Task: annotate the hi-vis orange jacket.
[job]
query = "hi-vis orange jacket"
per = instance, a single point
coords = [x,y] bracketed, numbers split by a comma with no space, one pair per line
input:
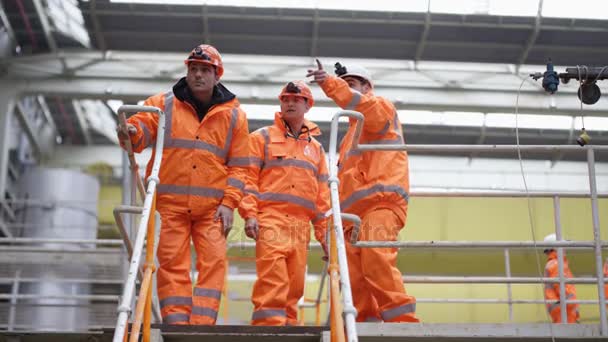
[369,179]
[552,291]
[204,163]
[287,176]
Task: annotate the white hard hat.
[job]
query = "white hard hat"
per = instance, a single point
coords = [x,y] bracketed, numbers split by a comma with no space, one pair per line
[358,71]
[550,238]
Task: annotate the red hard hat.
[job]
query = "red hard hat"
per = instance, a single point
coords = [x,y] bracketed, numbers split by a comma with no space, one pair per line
[298,88]
[206,54]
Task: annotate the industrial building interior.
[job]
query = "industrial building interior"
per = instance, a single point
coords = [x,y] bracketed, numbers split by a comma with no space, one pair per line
[459,73]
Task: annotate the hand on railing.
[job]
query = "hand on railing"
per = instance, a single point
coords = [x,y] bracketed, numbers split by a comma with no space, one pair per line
[125,131]
[325,256]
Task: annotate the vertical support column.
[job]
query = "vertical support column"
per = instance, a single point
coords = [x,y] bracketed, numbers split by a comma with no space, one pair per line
[598,241]
[126,190]
[7,104]
[560,260]
[126,200]
[509,291]
[12,314]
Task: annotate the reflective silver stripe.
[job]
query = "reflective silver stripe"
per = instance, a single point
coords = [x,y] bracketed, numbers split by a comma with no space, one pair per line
[354,101]
[211,293]
[176,318]
[255,161]
[268,313]
[196,145]
[291,162]
[569,296]
[372,319]
[176,300]
[398,128]
[548,286]
[317,218]
[189,190]
[147,135]
[233,119]
[264,133]
[323,177]
[239,161]
[252,192]
[551,307]
[389,314]
[236,183]
[137,144]
[352,153]
[277,197]
[204,311]
[396,141]
[378,188]
[385,128]
[168,116]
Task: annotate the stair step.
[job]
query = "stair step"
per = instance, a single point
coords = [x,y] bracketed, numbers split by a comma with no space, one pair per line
[229,333]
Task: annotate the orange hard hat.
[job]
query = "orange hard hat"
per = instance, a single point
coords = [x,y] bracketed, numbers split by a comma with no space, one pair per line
[206,54]
[297,88]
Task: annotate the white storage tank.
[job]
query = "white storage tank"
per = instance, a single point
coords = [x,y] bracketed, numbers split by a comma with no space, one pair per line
[59,204]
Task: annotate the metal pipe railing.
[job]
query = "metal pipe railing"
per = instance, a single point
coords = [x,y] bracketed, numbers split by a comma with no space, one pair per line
[449,148]
[597,244]
[508,274]
[560,258]
[348,307]
[478,244]
[335,310]
[146,224]
[597,239]
[493,280]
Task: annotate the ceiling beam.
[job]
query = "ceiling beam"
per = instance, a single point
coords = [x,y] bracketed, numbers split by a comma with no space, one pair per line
[206,32]
[26,124]
[7,25]
[82,122]
[327,17]
[533,36]
[425,33]
[314,49]
[46,26]
[99,37]
[405,97]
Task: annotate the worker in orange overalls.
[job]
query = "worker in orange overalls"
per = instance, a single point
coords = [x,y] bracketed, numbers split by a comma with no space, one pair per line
[375,186]
[202,179]
[286,192]
[552,289]
[606,280]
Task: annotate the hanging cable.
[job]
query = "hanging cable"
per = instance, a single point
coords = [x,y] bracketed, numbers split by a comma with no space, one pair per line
[529,202]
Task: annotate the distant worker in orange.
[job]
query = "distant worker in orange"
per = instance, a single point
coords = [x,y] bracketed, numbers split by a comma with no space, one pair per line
[606,280]
[552,289]
[286,192]
[375,186]
[202,179]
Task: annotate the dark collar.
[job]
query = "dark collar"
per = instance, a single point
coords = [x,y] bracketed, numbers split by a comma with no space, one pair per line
[220,95]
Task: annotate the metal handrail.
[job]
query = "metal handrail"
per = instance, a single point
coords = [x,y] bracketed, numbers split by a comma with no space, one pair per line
[596,244]
[477,244]
[145,234]
[337,233]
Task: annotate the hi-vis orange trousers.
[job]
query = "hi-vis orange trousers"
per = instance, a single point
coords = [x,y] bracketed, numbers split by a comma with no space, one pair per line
[281,251]
[181,303]
[377,285]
